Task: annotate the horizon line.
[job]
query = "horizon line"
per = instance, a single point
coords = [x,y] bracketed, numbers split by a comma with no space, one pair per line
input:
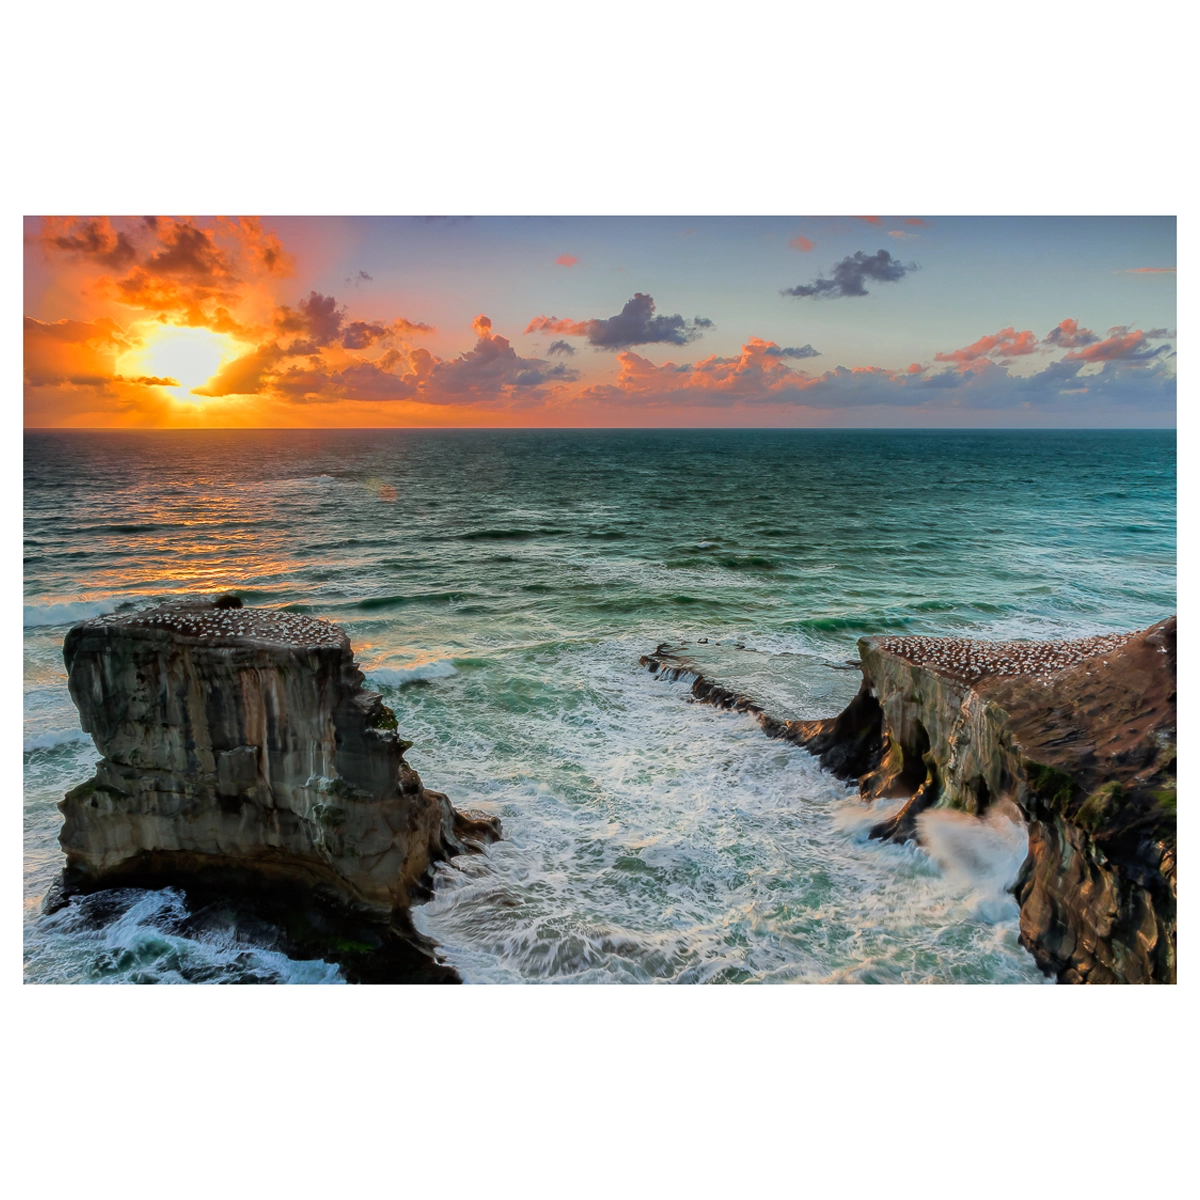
[596,428]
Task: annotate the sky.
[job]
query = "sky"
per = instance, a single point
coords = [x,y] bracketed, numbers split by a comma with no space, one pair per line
[336,322]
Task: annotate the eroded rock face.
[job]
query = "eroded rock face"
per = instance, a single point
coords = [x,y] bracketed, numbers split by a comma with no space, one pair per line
[241,749]
[1079,736]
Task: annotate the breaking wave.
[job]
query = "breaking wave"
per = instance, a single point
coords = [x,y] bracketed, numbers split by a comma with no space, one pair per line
[70,612]
[56,737]
[132,936]
[440,668]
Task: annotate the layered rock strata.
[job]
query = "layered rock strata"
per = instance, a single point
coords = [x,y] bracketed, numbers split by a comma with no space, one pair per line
[243,757]
[1079,736]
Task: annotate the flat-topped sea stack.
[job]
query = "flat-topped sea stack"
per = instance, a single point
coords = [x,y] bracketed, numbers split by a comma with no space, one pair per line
[1078,736]
[242,755]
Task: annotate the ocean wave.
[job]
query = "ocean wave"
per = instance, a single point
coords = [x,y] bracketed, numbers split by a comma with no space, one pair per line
[504,535]
[68,613]
[374,603]
[55,737]
[128,527]
[128,936]
[439,668]
[865,621]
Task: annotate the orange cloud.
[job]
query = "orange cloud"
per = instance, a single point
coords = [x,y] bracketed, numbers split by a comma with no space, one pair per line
[220,274]
[554,325]
[248,375]
[1005,344]
[801,243]
[913,221]
[491,374]
[758,373]
[1149,271]
[80,353]
[871,220]
[403,328]
[757,376]
[181,270]
[1123,344]
[566,260]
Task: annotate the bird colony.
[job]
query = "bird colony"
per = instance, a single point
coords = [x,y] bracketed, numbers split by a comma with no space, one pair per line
[970,660]
[234,624]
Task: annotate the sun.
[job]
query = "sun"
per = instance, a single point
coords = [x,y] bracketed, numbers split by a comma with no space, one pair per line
[190,356]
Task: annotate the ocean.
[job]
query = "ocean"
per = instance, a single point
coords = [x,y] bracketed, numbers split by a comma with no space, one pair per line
[499,588]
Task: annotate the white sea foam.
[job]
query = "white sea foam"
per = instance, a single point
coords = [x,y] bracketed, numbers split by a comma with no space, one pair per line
[984,853]
[143,944]
[55,737]
[670,842]
[438,668]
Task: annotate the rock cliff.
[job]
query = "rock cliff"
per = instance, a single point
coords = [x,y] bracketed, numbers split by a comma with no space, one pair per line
[242,756]
[1079,736]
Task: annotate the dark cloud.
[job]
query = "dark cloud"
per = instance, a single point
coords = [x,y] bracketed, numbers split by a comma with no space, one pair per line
[318,317]
[97,240]
[147,380]
[1160,333]
[189,252]
[367,278]
[850,275]
[492,371]
[358,335]
[492,366]
[360,381]
[635,325]
[560,373]
[805,351]
[561,347]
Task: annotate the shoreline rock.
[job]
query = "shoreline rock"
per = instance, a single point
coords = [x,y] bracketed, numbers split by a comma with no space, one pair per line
[244,761]
[1079,736]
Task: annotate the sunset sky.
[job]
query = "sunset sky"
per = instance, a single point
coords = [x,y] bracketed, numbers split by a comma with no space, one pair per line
[909,320]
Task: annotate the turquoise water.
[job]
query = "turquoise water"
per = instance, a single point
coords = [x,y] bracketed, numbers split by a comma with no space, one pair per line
[499,587]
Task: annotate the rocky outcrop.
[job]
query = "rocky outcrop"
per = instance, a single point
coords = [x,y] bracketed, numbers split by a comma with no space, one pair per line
[242,756]
[1078,736]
